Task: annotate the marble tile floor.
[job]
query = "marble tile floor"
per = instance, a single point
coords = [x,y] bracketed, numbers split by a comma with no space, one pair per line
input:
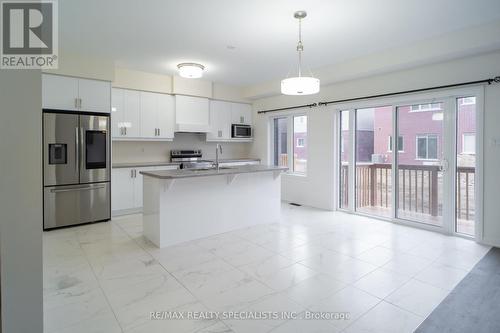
[107,278]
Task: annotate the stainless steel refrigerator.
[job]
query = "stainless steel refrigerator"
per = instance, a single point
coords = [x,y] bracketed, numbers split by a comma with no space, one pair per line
[76,150]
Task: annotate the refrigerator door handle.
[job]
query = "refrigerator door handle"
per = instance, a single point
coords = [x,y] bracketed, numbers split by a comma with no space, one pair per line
[77,149]
[82,151]
[88,188]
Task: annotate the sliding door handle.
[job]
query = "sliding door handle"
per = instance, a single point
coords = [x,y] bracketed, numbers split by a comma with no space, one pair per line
[445,165]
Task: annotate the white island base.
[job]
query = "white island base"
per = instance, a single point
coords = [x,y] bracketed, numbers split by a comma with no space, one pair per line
[187,208]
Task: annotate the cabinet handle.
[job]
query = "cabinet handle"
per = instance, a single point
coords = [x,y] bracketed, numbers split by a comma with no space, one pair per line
[158,132]
[76,103]
[125,130]
[220,134]
[242,119]
[135,173]
[79,103]
[131,173]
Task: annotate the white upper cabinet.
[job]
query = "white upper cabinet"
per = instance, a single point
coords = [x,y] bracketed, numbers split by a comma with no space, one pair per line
[59,92]
[241,113]
[74,94]
[157,116]
[191,114]
[149,115]
[117,113]
[166,116]
[223,115]
[140,115]
[220,121]
[94,95]
[125,116]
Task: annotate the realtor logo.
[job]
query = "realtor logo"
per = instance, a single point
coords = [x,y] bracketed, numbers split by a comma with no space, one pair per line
[29,34]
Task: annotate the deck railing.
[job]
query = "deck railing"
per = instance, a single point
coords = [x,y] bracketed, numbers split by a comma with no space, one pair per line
[466,178]
[419,188]
[283,160]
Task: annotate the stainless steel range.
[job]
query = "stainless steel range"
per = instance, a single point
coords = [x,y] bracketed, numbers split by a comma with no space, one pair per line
[76,169]
[190,159]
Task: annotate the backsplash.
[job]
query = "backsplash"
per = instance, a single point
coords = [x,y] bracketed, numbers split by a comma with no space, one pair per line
[150,151]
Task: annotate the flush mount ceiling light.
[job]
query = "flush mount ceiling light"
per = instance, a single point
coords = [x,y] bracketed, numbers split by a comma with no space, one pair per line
[300,85]
[190,70]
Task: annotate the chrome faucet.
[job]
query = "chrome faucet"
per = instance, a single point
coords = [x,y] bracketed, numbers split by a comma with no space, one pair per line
[218,149]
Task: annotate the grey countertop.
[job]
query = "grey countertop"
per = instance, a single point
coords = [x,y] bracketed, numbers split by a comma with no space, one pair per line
[142,164]
[190,173]
[152,164]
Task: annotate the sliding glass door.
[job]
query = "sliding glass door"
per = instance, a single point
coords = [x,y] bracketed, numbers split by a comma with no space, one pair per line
[373,161]
[344,149]
[466,166]
[412,162]
[419,163]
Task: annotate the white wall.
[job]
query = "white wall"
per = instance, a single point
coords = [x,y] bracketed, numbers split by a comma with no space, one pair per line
[130,79]
[316,188]
[21,201]
[84,65]
[491,165]
[139,151]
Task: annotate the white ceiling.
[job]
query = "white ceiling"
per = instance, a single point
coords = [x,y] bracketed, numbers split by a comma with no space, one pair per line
[155,35]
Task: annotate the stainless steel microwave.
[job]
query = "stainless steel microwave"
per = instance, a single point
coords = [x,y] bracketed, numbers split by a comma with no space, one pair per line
[241,131]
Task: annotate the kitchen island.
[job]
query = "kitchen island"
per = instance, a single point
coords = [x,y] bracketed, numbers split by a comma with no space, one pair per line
[182,205]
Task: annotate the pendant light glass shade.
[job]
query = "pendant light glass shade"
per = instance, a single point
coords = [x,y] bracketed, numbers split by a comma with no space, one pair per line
[300,85]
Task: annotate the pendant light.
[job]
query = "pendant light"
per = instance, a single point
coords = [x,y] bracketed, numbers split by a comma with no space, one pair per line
[300,85]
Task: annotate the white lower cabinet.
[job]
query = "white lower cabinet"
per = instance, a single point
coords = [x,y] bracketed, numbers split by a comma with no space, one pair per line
[122,189]
[126,188]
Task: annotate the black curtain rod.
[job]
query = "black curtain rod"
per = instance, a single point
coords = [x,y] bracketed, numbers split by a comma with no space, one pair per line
[488,81]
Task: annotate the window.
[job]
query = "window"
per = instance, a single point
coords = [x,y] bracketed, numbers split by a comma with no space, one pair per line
[300,151]
[467,101]
[427,147]
[290,131]
[426,107]
[280,141]
[401,147]
[469,143]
